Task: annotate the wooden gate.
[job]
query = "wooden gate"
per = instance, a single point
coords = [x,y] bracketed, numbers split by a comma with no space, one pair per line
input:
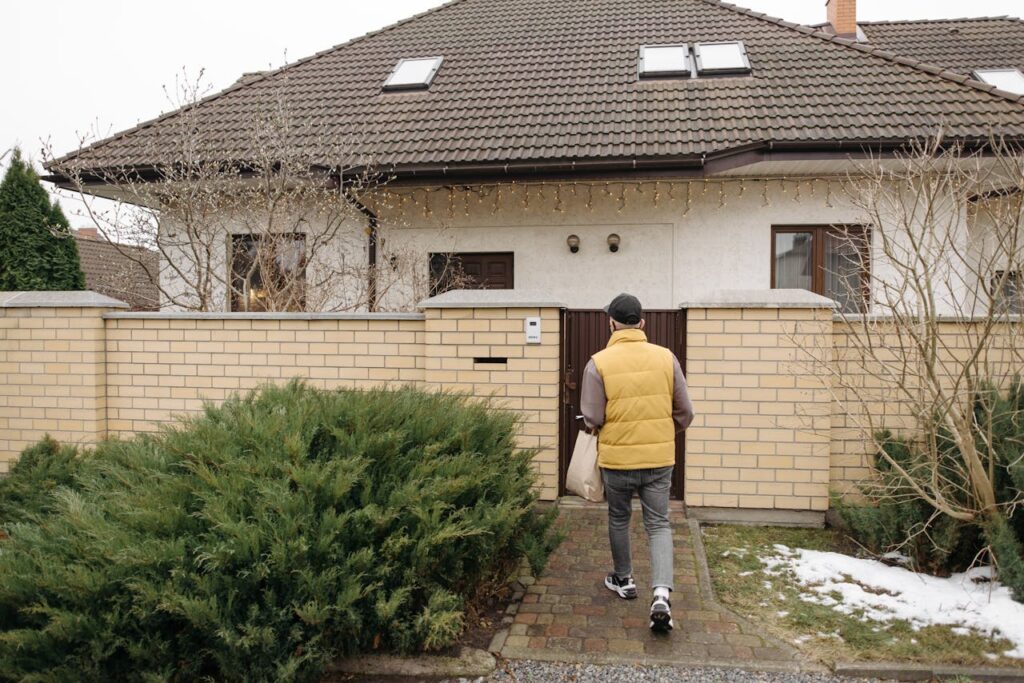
[584,333]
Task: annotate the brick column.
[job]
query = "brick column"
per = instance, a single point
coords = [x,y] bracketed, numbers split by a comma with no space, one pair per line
[52,372]
[475,343]
[763,432]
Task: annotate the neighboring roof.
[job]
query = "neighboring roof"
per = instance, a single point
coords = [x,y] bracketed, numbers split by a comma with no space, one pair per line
[961,45]
[116,271]
[526,82]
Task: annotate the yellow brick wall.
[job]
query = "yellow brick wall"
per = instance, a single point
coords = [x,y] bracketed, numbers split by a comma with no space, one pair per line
[79,376]
[51,377]
[861,388]
[762,433]
[157,367]
[527,384]
[768,433]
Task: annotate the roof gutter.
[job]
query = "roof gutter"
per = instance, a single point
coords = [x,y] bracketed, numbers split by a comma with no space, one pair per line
[700,165]
[696,165]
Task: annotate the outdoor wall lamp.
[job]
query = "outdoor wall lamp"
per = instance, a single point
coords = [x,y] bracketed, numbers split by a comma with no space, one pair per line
[613,242]
[574,243]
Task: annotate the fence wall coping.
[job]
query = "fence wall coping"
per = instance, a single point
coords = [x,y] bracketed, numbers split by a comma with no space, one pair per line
[861,318]
[760,298]
[84,299]
[492,298]
[190,315]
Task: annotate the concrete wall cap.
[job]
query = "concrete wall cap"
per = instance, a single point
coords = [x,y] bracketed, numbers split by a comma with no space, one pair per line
[860,318]
[491,298]
[84,299]
[190,315]
[760,298]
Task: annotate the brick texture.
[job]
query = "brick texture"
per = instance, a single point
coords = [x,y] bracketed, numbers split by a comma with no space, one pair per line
[52,378]
[768,433]
[763,428]
[78,376]
[863,389]
[527,382]
[157,368]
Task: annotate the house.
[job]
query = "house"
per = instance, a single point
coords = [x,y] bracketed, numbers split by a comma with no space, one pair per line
[569,121]
[682,150]
[124,272]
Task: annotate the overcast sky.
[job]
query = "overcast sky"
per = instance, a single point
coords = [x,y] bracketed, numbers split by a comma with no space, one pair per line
[70,67]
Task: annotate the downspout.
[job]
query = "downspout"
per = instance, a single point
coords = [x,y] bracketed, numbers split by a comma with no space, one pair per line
[371,232]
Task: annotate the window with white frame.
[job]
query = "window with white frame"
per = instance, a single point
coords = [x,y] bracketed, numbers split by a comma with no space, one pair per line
[1011,80]
[726,57]
[413,74]
[660,61]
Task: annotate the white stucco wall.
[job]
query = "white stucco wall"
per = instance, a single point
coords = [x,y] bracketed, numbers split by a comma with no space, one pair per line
[671,250]
[668,254]
[327,265]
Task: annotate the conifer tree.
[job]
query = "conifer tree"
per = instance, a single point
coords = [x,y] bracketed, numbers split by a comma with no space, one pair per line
[37,250]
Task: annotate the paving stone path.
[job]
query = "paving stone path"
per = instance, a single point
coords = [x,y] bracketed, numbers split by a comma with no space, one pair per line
[568,615]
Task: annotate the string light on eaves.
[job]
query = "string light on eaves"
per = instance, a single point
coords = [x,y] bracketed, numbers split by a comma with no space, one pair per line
[619,193]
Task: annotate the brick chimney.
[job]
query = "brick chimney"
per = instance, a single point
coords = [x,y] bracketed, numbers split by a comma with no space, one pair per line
[842,16]
[88,233]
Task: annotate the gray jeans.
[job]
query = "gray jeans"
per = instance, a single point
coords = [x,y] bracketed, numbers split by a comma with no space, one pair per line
[653,487]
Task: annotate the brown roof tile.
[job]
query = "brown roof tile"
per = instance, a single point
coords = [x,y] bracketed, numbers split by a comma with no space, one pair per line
[120,271]
[533,80]
[961,45]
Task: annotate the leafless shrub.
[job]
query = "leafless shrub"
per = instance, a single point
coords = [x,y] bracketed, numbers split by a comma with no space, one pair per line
[271,223]
[942,326]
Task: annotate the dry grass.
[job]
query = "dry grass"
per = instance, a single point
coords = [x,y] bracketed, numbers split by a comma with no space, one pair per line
[817,630]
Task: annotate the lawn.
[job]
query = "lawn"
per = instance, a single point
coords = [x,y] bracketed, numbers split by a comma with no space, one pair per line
[820,631]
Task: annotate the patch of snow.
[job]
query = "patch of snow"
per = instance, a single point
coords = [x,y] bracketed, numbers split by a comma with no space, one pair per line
[991,656]
[745,573]
[782,614]
[981,574]
[897,557]
[883,593]
[960,631]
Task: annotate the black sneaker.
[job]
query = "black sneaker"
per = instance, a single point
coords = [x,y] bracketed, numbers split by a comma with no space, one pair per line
[661,615]
[625,588]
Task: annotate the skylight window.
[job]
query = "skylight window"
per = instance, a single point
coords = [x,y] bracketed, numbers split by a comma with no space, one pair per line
[721,58]
[413,74]
[1011,80]
[664,60]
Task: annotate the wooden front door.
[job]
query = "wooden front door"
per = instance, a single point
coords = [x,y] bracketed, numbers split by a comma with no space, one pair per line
[584,333]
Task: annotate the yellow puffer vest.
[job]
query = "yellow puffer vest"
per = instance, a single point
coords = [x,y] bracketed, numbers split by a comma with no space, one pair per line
[638,430]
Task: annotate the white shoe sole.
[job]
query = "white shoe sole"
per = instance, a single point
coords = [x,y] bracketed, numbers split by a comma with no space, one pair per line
[618,590]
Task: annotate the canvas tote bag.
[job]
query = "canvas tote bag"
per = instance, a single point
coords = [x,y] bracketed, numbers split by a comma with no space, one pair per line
[584,476]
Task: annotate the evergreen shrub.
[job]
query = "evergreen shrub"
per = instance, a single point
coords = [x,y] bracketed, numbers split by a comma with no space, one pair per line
[28,488]
[37,248]
[267,536]
[897,517]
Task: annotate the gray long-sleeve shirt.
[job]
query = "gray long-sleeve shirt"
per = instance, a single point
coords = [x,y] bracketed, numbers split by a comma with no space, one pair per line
[593,398]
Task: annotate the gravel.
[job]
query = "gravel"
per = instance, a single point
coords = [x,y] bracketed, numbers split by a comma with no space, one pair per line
[546,672]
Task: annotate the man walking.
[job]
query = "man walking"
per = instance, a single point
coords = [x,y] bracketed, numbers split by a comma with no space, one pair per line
[635,394]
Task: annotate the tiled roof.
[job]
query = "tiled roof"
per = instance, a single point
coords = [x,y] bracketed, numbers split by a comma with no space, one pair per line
[527,81]
[961,45]
[108,270]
